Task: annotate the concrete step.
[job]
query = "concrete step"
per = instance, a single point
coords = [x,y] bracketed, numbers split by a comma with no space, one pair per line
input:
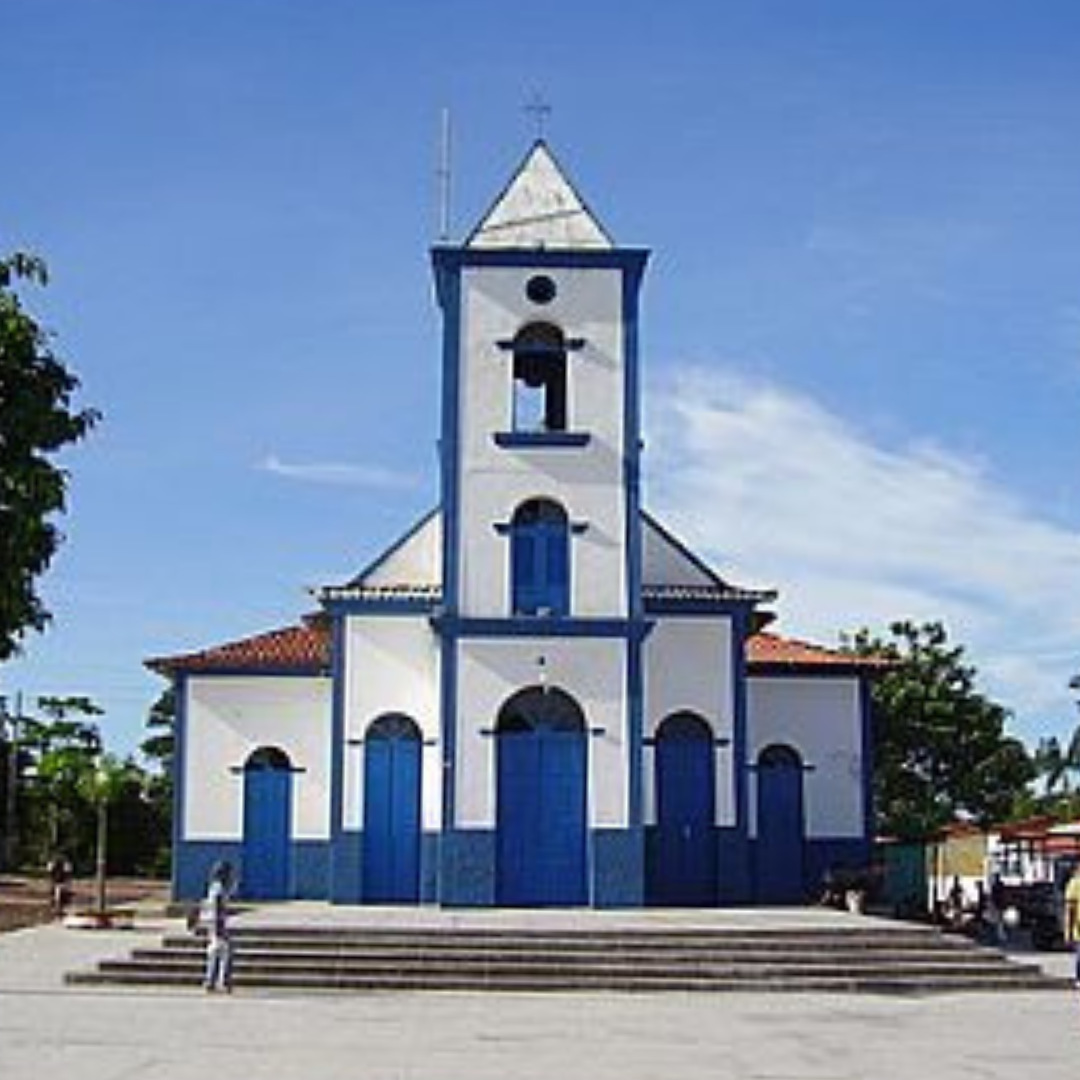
[652,942]
[434,981]
[299,956]
[867,959]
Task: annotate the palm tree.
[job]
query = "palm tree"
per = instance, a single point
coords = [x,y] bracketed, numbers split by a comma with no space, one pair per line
[102,786]
[1053,765]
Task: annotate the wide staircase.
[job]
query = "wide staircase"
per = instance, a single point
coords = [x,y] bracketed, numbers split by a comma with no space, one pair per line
[875,958]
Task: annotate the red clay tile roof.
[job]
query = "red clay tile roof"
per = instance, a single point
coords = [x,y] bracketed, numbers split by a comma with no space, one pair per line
[765,650]
[307,647]
[294,648]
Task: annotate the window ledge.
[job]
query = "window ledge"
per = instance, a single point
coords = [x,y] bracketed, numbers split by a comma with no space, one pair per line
[525,440]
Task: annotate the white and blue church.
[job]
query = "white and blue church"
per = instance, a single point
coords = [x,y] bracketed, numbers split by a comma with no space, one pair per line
[538,696]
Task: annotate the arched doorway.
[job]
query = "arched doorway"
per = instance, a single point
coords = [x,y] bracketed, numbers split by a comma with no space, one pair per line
[781,835]
[541,800]
[267,824]
[684,863]
[391,857]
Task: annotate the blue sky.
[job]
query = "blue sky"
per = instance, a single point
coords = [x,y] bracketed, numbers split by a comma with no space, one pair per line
[862,318]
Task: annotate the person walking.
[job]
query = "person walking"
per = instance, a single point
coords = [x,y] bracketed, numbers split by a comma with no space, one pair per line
[1072,918]
[219,953]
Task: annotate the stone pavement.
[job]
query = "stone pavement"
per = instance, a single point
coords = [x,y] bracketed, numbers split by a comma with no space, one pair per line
[49,1031]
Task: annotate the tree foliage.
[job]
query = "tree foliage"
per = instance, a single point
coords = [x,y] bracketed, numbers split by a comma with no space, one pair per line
[64,777]
[1057,767]
[36,420]
[940,747]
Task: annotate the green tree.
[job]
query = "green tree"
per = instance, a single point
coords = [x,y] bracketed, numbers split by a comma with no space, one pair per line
[61,749]
[158,748]
[102,786]
[36,420]
[940,747]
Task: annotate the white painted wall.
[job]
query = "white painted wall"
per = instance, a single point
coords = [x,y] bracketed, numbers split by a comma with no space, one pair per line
[229,717]
[417,561]
[593,671]
[687,665]
[588,482]
[821,719]
[392,666]
[663,563]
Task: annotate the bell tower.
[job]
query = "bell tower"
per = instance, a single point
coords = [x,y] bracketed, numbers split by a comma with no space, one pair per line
[541,558]
[540,424]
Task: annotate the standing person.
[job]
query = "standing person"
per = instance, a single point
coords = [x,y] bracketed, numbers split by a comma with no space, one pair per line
[60,874]
[219,956]
[995,911]
[1072,918]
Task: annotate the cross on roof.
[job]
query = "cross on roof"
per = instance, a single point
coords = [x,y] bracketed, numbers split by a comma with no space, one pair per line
[538,108]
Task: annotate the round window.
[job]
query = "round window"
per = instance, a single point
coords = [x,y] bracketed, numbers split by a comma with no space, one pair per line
[540,289]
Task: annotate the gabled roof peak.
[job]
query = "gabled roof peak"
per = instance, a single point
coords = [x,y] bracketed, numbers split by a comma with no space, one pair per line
[539,208]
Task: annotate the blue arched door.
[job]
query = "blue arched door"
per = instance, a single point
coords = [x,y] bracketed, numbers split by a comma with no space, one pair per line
[267,825]
[684,862]
[391,860]
[540,559]
[781,837]
[541,801]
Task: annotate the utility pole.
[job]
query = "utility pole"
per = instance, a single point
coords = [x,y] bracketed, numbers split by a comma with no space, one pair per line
[11,723]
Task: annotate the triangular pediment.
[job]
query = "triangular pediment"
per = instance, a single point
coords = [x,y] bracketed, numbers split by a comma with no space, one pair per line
[539,209]
[414,561]
[667,561]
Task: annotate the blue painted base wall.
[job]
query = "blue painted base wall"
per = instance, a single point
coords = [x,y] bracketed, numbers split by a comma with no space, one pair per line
[459,870]
[734,884]
[467,868]
[347,881]
[618,868]
[309,867]
[821,855]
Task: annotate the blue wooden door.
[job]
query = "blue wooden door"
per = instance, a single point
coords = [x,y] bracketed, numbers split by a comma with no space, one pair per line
[391,856]
[540,561]
[780,828]
[267,815]
[541,818]
[684,870]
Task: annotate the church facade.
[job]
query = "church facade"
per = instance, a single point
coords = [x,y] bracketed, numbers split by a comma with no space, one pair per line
[539,696]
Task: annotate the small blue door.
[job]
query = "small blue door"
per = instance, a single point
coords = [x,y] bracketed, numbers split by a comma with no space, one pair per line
[780,828]
[541,802]
[540,559]
[684,862]
[267,832]
[392,762]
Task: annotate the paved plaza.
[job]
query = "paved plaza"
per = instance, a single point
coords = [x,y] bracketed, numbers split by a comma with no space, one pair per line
[48,1030]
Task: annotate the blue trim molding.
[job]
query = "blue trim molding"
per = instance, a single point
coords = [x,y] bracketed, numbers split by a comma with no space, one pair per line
[449,260]
[541,440]
[735,860]
[866,755]
[179,765]
[340,870]
[540,626]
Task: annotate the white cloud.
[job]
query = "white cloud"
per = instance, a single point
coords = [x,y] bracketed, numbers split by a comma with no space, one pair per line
[340,473]
[776,490]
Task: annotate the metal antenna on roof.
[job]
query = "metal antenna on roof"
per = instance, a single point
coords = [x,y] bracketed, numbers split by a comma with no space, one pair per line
[540,111]
[442,175]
